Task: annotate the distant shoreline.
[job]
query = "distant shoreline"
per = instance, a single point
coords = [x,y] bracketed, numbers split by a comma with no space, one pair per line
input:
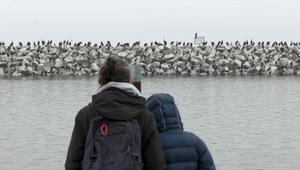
[157,59]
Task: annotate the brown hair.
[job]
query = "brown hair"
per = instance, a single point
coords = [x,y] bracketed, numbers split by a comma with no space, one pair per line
[114,69]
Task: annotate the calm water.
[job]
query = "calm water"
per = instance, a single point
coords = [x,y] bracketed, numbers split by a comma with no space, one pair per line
[247,122]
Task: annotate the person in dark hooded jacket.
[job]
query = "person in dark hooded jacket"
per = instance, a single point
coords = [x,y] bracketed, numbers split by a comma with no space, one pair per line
[117,99]
[183,150]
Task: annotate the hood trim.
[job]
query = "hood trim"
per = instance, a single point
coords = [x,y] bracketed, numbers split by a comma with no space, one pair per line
[128,87]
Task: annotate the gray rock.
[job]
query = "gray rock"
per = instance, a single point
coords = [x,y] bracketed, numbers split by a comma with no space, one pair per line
[165,66]
[241,58]
[3,64]
[283,62]
[203,74]
[2,50]
[258,68]
[246,65]
[22,69]
[25,62]
[276,57]
[95,67]
[68,59]
[22,58]
[4,58]
[169,57]
[58,63]
[29,69]
[16,74]
[122,54]
[238,63]
[2,71]
[66,72]
[273,70]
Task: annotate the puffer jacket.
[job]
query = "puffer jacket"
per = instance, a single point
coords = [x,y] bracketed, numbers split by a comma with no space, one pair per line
[183,150]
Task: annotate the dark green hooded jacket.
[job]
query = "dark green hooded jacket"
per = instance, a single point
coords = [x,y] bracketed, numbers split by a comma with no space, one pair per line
[117,104]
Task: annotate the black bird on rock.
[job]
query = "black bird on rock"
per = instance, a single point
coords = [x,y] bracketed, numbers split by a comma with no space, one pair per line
[10,45]
[108,44]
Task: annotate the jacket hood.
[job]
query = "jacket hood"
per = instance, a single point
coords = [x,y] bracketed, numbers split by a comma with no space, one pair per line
[165,111]
[117,104]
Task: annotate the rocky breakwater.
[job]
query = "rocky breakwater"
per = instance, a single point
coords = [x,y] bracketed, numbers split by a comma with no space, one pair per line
[176,58]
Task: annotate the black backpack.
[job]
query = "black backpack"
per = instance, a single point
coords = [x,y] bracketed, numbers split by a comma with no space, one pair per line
[113,145]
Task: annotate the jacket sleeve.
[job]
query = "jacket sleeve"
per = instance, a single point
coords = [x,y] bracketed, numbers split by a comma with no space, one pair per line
[76,148]
[153,155]
[205,161]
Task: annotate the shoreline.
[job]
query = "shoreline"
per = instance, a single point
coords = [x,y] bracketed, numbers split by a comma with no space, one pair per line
[157,59]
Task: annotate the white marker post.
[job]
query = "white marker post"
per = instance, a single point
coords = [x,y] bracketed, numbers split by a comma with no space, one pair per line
[199,40]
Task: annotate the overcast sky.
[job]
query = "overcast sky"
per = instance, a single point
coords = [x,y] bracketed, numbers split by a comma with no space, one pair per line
[149,20]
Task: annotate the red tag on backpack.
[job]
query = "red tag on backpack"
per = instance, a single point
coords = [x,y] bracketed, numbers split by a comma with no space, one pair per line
[104,129]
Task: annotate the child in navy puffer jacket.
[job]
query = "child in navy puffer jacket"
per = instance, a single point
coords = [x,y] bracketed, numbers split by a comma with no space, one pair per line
[183,150]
